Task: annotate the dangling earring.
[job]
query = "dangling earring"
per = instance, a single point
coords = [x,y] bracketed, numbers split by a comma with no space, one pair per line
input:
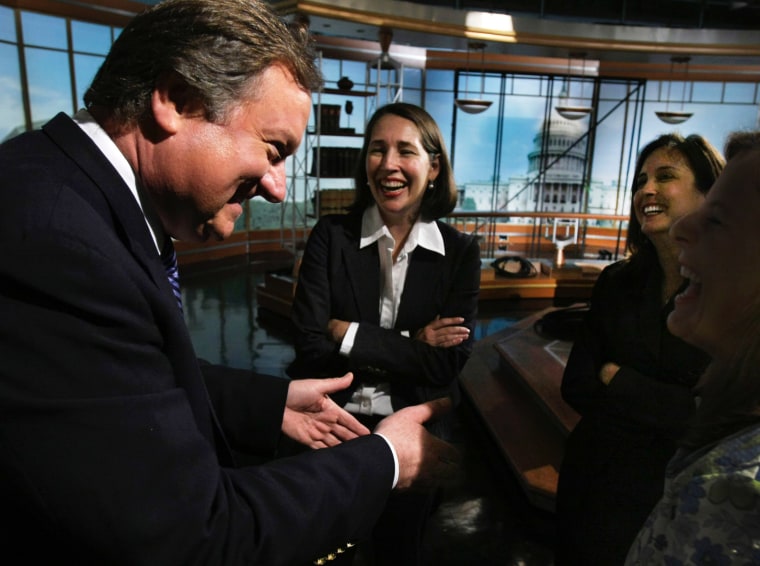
[431,185]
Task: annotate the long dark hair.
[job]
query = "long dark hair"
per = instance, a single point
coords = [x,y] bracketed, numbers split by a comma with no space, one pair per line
[705,162]
[438,201]
[730,387]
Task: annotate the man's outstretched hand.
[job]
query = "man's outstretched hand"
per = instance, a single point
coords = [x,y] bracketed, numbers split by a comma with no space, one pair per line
[424,460]
[315,420]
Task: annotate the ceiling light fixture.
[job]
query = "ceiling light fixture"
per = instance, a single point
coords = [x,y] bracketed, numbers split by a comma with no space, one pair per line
[474,105]
[565,108]
[676,116]
[389,73]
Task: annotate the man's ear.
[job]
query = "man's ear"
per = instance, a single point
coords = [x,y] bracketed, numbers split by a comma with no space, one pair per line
[172,102]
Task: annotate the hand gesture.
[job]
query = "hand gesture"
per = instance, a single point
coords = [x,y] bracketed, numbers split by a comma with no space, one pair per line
[336,329]
[315,420]
[424,460]
[443,332]
[608,372]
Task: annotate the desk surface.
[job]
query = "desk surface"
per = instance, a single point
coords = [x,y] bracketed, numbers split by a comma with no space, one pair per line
[512,379]
[561,285]
[539,364]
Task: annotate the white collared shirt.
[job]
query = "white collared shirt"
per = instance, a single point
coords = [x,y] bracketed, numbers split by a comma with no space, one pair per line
[116,158]
[376,399]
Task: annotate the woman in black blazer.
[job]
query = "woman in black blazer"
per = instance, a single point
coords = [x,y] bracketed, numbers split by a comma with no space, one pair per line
[389,292]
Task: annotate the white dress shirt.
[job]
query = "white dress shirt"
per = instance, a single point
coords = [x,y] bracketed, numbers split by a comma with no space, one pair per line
[376,399]
[116,158]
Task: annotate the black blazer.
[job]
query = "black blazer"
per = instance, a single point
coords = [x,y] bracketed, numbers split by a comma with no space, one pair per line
[614,462]
[110,451]
[339,280]
[652,392]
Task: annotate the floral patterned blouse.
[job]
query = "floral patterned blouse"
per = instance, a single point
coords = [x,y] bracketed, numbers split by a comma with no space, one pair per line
[710,510]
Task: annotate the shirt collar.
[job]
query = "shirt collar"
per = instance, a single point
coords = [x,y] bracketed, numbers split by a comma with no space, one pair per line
[116,158]
[423,234]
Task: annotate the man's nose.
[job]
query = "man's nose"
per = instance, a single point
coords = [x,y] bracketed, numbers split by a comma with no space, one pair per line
[273,184]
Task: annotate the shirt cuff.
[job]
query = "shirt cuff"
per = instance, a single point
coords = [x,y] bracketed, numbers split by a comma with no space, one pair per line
[395,459]
[348,338]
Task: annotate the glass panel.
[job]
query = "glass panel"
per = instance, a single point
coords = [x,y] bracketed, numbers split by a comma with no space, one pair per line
[331,72]
[740,92]
[49,83]
[357,72]
[708,92]
[7,24]
[474,156]
[613,154]
[713,121]
[527,86]
[385,83]
[85,67]
[412,96]
[11,105]
[613,91]
[440,105]
[439,80]
[90,38]
[43,31]
[412,78]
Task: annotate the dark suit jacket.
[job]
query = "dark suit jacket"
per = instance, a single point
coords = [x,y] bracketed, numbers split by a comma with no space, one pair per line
[110,451]
[339,280]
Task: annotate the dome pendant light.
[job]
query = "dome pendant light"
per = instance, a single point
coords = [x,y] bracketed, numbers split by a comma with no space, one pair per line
[676,116]
[565,109]
[474,105]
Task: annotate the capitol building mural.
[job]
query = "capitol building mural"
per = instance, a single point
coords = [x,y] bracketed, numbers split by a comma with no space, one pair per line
[553,181]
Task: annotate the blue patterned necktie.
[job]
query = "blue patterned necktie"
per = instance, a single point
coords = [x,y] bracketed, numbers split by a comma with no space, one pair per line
[169,259]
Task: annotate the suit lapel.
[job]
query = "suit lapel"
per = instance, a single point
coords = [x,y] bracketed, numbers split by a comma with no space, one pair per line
[124,215]
[422,279]
[123,212]
[363,273]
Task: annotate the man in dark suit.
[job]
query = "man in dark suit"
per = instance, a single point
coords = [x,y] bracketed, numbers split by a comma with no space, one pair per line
[115,441]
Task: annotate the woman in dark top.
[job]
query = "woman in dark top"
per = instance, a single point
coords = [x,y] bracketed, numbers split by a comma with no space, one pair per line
[627,375]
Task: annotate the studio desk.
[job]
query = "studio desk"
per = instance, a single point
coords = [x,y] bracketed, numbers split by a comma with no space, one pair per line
[563,286]
[512,380]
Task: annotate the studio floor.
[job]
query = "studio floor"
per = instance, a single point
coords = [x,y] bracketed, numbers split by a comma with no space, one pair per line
[484,519]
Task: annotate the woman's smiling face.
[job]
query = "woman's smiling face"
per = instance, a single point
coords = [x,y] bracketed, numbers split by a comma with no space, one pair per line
[398,168]
[719,254]
[666,190]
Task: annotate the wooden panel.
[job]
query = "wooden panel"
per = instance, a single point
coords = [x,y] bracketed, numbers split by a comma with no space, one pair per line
[563,289]
[539,363]
[529,443]
[512,380]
